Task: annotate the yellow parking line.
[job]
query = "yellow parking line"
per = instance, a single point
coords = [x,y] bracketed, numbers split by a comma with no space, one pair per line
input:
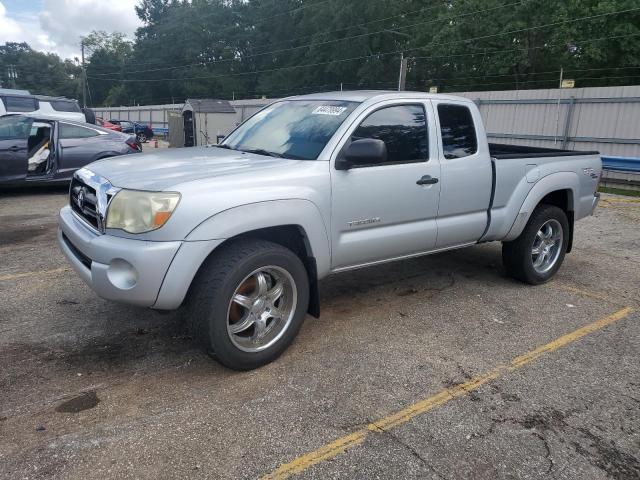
[343,444]
[16,276]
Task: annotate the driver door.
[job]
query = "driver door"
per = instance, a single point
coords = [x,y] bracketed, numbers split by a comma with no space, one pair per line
[14,147]
[384,211]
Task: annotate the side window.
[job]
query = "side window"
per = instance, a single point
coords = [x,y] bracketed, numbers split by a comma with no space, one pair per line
[15,127]
[457,130]
[74,131]
[403,128]
[20,104]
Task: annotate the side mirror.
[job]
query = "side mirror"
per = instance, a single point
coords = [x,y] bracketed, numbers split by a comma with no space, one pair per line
[366,151]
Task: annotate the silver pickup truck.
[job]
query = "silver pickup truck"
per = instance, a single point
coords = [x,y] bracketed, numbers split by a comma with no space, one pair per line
[240,233]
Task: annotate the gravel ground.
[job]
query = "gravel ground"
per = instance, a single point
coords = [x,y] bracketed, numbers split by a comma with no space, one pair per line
[92,389]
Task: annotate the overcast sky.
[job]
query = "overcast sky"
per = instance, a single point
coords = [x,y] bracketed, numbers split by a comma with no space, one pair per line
[57,25]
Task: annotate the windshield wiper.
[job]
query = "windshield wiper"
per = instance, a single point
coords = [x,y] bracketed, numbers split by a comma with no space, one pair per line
[260,151]
[224,146]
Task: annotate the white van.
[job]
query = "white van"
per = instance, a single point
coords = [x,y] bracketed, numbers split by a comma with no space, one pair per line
[21,101]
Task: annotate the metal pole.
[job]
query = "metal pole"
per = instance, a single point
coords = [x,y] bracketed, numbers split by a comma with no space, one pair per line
[84,77]
[402,78]
[555,139]
[561,74]
[567,122]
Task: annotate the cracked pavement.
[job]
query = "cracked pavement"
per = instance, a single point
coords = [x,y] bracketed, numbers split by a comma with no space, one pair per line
[92,389]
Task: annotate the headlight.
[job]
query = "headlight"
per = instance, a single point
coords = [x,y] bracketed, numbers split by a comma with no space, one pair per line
[135,211]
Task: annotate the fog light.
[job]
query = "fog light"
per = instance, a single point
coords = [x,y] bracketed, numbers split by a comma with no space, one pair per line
[122,274]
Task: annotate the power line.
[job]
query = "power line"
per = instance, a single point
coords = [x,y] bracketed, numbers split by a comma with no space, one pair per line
[326,32]
[162,27]
[525,74]
[259,20]
[420,10]
[524,49]
[361,35]
[554,81]
[381,54]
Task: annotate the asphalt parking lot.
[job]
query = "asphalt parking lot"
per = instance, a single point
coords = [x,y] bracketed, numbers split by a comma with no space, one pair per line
[438,367]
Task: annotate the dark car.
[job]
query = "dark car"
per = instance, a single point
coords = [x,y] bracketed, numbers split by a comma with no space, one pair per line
[141,131]
[44,149]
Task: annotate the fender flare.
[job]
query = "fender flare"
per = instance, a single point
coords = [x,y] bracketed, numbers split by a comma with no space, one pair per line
[271,213]
[546,185]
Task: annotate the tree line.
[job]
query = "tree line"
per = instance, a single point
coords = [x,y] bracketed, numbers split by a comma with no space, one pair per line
[254,48]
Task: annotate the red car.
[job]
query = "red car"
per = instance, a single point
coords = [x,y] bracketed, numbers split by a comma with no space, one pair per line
[105,124]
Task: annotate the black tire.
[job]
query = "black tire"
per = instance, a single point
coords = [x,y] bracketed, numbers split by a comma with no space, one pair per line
[142,137]
[517,255]
[207,307]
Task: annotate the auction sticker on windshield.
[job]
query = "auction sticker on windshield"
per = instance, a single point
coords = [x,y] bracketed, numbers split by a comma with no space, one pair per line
[329,110]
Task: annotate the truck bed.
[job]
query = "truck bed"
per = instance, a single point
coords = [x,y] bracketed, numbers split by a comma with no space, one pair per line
[504,151]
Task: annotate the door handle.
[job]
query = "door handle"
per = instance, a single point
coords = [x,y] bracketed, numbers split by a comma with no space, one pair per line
[427,180]
[14,149]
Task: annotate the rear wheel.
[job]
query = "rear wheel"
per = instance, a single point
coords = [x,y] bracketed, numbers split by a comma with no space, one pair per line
[537,254]
[142,137]
[248,303]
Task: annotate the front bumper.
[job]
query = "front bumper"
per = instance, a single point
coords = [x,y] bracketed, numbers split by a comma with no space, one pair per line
[138,272]
[120,269]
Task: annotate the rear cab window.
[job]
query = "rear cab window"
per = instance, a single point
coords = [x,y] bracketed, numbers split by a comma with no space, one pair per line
[457,130]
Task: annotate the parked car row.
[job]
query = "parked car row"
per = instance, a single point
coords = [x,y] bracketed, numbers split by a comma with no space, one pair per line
[45,149]
[108,125]
[46,139]
[142,132]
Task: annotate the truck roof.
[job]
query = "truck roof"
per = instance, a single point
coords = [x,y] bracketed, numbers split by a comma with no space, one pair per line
[364,95]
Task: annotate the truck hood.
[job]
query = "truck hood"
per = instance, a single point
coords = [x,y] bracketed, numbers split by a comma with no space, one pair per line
[165,169]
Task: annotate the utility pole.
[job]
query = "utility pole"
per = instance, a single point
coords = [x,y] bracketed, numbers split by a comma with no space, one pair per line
[555,137]
[561,75]
[402,78]
[84,77]
[12,75]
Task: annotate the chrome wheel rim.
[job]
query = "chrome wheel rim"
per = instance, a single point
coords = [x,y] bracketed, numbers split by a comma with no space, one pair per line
[547,246]
[261,308]
[142,137]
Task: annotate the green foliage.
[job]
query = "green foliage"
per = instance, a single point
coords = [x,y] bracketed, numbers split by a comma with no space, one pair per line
[40,73]
[251,48]
[108,53]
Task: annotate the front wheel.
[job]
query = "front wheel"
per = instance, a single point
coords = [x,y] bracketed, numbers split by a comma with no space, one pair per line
[537,254]
[142,137]
[248,303]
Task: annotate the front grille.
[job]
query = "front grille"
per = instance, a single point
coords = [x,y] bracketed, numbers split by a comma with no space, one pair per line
[84,202]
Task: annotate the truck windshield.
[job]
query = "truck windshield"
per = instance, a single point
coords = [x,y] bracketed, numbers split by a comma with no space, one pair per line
[295,129]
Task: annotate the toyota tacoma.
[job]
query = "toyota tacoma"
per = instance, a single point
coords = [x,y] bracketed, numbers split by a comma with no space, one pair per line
[238,234]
